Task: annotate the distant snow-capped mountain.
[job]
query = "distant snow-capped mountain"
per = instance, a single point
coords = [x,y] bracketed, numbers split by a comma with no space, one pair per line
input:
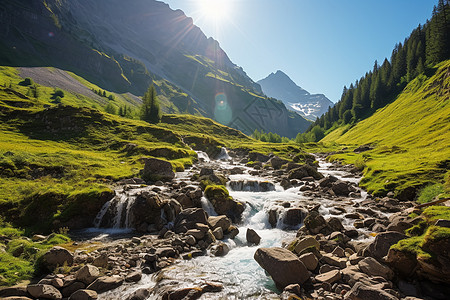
[278,85]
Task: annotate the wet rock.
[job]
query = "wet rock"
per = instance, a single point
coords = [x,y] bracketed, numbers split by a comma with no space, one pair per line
[252,237]
[364,292]
[314,222]
[44,291]
[223,203]
[294,216]
[309,260]
[140,294]
[284,266]
[165,252]
[87,274]
[206,172]
[335,224]
[101,261]
[84,295]
[145,209]
[277,162]
[232,232]
[157,169]
[383,241]
[273,217]
[188,218]
[220,221]
[341,188]
[134,276]
[57,256]
[372,267]
[218,233]
[220,249]
[196,233]
[105,283]
[305,171]
[329,277]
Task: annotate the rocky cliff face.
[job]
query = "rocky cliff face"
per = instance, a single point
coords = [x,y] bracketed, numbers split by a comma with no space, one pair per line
[278,85]
[125,45]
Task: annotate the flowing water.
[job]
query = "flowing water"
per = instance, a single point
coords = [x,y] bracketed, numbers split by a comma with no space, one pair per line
[239,273]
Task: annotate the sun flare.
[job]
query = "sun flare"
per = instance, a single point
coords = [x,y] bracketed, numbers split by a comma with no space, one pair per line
[216,10]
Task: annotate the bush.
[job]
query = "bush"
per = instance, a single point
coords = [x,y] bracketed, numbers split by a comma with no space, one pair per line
[428,193]
[27,81]
[58,93]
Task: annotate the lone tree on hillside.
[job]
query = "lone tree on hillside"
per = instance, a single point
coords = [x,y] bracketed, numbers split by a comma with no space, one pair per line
[150,110]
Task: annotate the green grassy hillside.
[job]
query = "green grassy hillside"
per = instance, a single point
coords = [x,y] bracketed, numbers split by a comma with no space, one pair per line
[411,138]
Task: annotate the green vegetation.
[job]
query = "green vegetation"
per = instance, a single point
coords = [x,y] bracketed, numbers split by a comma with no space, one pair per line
[410,139]
[216,192]
[425,233]
[269,137]
[430,192]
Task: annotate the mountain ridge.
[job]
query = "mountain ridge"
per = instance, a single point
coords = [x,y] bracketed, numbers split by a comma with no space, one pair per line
[280,86]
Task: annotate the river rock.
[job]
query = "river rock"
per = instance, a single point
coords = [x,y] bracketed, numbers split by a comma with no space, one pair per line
[157,169]
[341,188]
[57,256]
[71,288]
[304,243]
[145,209]
[364,292]
[140,294]
[405,263]
[224,204]
[372,267]
[255,156]
[284,266]
[277,162]
[219,221]
[305,171]
[252,237]
[196,233]
[218,233]
[329,277]
[383,241]
[105,283]
[220,249]
[314,222]
[294,216]
[101,261]
[13,291]
[84,295]
[44,291]
[16,298]
[188,218]
[273,217]
[309,260]
[87,274]
[134,276]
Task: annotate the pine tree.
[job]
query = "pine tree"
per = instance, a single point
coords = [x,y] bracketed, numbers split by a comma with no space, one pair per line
[375,93]
[150,110]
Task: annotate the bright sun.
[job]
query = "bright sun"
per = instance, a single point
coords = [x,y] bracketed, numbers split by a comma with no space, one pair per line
[216,10]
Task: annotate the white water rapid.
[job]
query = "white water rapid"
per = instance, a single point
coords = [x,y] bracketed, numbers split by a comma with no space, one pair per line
[239,273]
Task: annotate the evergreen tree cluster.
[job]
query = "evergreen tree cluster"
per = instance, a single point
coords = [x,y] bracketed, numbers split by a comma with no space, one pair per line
[150,110]
[424,48]
[269,137]
[103,94]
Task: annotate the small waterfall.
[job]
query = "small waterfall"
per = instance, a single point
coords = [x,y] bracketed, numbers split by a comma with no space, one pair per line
[203,156]
[251,186]
[224,154]
[102,212]
[117,210]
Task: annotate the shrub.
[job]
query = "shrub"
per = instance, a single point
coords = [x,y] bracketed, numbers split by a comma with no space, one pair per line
[27,81]
[58,93]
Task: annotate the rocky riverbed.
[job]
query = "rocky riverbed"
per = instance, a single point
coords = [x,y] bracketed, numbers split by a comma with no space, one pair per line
[308,226]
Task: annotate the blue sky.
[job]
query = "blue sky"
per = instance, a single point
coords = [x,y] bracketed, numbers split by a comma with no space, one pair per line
[321,44]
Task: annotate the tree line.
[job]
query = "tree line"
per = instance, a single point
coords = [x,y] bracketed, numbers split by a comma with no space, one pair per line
[422,50]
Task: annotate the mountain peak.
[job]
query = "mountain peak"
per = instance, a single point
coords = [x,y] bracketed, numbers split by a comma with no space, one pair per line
[280,86]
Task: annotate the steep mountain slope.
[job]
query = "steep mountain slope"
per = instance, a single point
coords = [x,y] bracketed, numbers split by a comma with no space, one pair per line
[410,136]
[123,46]
[278,85]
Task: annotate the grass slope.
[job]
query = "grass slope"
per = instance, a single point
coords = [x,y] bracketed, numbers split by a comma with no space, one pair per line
[411,137]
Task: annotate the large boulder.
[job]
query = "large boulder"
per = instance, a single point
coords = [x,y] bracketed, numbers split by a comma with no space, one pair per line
[255,156]
[383,241]
[223,203]
[341,188]
[314,222]
[84,295]
[277,162]
[283,265]
[57,256]
[157,169]
[146,208]
[105,283]
[44,291]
